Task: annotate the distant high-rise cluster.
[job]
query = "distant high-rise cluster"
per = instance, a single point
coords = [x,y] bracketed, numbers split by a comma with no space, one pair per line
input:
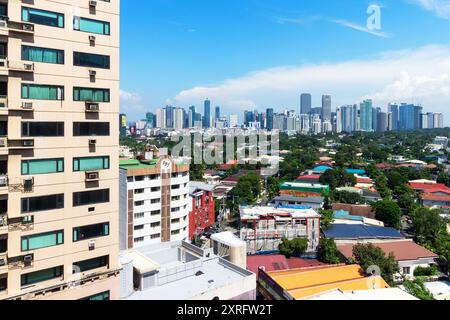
[365,117]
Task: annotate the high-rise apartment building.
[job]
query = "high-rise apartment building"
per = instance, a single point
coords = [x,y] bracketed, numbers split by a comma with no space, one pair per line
[60,104]
[382,121]
[154,201]
[123,124]
[161,118]
[438,120]
[178,118]
[395,116]
[217,113]
[207,114]
[269,119]
[366,115]
[305,103]
[326,108]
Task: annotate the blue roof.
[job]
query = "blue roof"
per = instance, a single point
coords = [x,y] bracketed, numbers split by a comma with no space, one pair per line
[322,168]
[356,171]
[342,214]
[295,207]
[360,231]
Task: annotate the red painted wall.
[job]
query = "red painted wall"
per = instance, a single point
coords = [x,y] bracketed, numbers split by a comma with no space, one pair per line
[202,216]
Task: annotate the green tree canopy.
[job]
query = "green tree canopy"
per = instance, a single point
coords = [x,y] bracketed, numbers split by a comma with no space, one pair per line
[328,252]
[389,212]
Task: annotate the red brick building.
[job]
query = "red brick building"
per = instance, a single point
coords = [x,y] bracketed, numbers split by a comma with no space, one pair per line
[202,208]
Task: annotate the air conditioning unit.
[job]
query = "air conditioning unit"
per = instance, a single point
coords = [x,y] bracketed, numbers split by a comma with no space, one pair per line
[92,3]
[27,105]
[92,38]
[28,258]
[92,176]
[3,261]
[3,221]
[28,143]
[3,143]
[28,66]
[92,107]
[92,73]
[91,245]
[28,183]
[27,219]
[92,142]
[3,24]
[28,27]
[3,181]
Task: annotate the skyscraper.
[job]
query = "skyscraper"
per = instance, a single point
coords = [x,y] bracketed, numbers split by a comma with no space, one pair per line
[438,120]
[394,110]
[169,117]
[59,217]
[207,114]
[269,119]
[326,108]
[366,115]
[217,113]
[123,124]
[305,103]
[161,118]
[178,118]
[406,118]
[151,120]
[382,121]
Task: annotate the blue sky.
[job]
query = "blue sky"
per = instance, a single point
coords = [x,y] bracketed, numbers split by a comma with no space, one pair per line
[260,53]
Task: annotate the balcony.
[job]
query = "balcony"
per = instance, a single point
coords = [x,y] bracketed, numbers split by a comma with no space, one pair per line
[7,26]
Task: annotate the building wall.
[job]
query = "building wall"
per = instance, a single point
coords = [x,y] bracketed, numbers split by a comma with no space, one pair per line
[202,215]
[67,147]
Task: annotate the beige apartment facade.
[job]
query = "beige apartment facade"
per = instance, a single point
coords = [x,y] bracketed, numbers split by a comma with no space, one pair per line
[59,131]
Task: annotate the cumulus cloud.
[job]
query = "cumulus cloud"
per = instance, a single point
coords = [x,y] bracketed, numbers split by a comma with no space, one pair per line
[131,103]
[440,7]
[420,74]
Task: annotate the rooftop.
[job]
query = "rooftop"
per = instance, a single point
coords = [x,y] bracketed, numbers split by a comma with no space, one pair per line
[137,164]
[291,198]
[360,232]
[304,283]
[386,294]
[279,262]
[256,212]
[196,185]
[228,238]
[430,187]
[403,250]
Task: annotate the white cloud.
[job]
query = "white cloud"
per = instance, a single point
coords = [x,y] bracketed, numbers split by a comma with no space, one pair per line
[132,104]
[421,75]
[358,27]
[440,7]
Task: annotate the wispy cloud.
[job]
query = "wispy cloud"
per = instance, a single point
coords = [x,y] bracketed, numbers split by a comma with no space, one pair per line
[359,27]
[418,75]
[440,7]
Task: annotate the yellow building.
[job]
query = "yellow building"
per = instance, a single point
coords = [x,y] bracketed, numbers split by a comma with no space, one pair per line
[298,284]
[59,136]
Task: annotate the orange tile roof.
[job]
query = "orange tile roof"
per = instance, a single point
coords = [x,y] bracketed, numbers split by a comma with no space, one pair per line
[302,283]
[435,197]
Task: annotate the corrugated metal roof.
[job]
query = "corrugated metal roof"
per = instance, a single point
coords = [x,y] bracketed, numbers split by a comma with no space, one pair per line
[351,231]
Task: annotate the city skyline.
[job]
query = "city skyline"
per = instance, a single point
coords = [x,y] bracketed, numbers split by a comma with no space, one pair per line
[304,47]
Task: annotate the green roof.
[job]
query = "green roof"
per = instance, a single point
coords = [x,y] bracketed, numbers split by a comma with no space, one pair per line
[136,164]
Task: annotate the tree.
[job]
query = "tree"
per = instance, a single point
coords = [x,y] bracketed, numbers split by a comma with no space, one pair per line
[428,226]
[367,255]
[326,219]
[328,252]
[336,178]
[347,197]
[389,212]
[295,247]
[418,289]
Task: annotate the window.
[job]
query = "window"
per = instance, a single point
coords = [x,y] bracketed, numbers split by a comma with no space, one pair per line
[90,232]
[42,240]
[3,282]
[91,94]
[90,197]
[137,228]
[90,163]
[42,92]
[140,178]
[47,18]
[139,191]
[139,215]
[155,224]
[42,275]
[177,209]
[3,245]
[92,26]
[43,129]
[406,270]
[138,203]
[175,232]
[44,166]
[140,239]
[86,129]
[99,297]
[175,187]
[155,213]
[90,264]
[156,189]
[175,221]
[45,55]
[155,236]
[44,203]
[154,201]
[91,60]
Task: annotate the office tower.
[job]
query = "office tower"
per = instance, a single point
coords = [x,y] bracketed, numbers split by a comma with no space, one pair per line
[249,117]
[178,118]
[366,115]
[217,113]
[123,125]
[346,119]
[375,112]
[338,120]
[59,202]
[438,121]
[207,114]
[430,120]
[382,121]
[389,115]
[326,108]
[424,121]
[169,117]
[233,121]
[406,117]
[161,118]
[269,119]
[151,120]
[316,124]
[158,193]
[305,103]
[305,123]
[394,110]
[417,112]
[316,111]
[279,122]
[191,116]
